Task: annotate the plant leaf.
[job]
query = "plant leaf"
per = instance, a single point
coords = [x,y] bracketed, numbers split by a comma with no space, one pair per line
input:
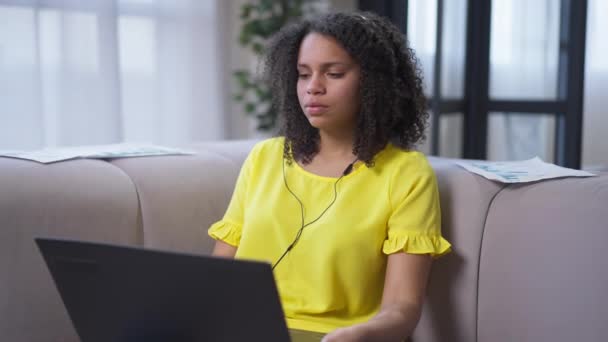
[249,107]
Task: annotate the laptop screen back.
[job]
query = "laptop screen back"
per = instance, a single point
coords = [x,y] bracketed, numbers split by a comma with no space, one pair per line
[127,294]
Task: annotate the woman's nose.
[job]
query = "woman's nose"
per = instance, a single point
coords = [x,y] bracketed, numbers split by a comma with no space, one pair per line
[315,86]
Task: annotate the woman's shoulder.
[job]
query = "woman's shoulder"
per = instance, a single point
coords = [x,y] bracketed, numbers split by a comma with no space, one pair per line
[407,170]
[270,145]
[270,148]
[404,160]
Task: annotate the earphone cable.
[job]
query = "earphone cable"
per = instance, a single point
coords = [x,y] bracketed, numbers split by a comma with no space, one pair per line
[302,226]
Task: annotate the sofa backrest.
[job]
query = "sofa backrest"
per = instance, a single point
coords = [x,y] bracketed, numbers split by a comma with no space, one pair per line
[544,269]
[79,199]
[178,195]
[450,311]
[526,262]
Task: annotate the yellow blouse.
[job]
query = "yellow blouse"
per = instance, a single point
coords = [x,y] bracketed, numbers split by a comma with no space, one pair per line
[334,275]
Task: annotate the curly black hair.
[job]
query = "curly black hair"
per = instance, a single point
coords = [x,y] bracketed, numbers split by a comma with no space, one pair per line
[393,106]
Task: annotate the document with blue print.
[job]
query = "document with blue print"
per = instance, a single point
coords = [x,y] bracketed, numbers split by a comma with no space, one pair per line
[522,171]
[51,155]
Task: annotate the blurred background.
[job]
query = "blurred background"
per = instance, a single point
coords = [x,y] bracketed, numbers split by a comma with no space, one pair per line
[506,79]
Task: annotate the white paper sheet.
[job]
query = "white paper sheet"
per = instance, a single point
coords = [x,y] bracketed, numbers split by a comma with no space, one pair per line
[520,171]
[52,155]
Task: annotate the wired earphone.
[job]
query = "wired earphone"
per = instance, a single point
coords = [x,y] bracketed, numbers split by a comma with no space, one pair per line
[346,171]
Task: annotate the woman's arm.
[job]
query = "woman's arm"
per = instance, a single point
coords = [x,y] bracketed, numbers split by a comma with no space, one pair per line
[402,299]
[223,250]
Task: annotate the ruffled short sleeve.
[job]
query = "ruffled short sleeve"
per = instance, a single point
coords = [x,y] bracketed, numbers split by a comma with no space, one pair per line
[226,231]
[414,225]
[229,228]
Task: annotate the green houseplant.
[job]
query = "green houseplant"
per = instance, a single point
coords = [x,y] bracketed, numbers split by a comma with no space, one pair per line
[261,19]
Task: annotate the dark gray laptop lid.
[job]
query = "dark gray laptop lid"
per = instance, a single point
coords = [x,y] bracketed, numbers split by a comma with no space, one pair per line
[128,294]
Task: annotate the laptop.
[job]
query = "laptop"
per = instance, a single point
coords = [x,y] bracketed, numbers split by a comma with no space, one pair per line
[128,294]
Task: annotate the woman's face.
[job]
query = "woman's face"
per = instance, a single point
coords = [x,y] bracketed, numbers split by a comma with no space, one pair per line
[328,83]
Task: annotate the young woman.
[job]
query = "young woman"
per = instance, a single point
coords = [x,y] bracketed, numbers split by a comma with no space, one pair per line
[340,204]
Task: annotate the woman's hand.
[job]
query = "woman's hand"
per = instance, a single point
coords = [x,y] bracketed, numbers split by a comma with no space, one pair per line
[349,334]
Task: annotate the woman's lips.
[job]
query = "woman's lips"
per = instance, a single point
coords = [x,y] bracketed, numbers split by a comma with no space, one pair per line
[316,109]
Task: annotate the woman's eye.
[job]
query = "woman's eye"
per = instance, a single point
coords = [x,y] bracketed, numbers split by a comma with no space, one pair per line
[302,75]
[335,74]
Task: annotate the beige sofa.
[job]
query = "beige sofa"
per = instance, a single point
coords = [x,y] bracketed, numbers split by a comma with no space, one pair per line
[529,261]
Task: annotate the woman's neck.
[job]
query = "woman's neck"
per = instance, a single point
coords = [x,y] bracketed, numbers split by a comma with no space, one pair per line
[336,145]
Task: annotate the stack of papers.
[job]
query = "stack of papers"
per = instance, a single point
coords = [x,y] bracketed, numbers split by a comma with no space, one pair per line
[52,155]
[523,171]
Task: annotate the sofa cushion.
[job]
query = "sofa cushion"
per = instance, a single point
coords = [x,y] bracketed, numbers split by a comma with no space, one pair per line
[81,199]
[449,313]
[233,150]
[181,196]
[543,273]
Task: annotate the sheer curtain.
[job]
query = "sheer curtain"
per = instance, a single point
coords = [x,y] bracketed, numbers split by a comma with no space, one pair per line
[523,65]
[105,71]
[422,30]
[595,122]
